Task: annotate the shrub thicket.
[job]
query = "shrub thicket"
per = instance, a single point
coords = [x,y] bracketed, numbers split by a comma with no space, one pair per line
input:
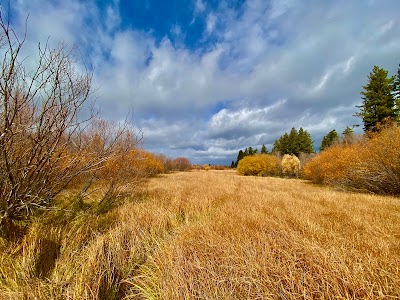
[181,164]
[290,165]
[372,164]
[259,165]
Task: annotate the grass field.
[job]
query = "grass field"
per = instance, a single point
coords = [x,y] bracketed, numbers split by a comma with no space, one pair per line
[213,235]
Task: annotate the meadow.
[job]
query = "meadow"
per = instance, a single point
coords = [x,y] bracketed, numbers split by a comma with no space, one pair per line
[211,235]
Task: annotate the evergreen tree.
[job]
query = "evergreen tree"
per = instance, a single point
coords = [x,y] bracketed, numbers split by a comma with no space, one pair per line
[250,151]
[233,164]
[328,140]
[282,144]
[348,135]
[294,143]
[378,100]
[305,141]
[264,149]
[240,156]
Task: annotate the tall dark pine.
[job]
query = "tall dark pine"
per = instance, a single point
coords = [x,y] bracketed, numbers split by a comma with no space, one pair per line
[328,140]
[306,144]
[264,149]
[378,100]
[250,150]
[348,135]
[295,142]
[240,156]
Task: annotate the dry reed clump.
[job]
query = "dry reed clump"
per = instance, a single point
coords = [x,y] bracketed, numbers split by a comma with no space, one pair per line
[214,235]
[372,164]
[259,165]
[290,165]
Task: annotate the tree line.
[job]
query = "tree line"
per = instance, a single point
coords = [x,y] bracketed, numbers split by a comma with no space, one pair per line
[293,143]
[381,104]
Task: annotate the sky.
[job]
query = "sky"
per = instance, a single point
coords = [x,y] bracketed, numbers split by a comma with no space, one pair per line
[204,79]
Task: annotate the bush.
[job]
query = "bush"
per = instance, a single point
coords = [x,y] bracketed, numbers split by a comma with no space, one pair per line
[132,165]
[181,164]
[41,134]
[371,164]
[331,165]
[290,165]
[258,165]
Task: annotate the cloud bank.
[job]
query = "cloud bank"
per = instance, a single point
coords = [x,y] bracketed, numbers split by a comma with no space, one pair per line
[224,76]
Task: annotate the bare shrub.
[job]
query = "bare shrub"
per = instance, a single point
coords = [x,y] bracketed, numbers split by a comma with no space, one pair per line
[166,161]
[181,164]
[45,143]
[290,165]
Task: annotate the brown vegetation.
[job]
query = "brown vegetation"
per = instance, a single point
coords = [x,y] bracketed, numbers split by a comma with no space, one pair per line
[180,164]
[372,164]
[212,235]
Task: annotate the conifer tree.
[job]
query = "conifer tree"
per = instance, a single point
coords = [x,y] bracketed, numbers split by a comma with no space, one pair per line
[295,142]
[250,150]
[328,140]
[305,141]
[378,100]
[240,156]
[264,149]
[348,135]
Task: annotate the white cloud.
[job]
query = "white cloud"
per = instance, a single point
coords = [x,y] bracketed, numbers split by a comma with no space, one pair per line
[316,59]
[199,6]
[210,23]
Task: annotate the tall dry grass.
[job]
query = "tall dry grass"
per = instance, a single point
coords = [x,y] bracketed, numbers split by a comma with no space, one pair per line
[214,235]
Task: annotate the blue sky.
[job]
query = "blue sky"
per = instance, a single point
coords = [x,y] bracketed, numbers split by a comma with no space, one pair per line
[207,78]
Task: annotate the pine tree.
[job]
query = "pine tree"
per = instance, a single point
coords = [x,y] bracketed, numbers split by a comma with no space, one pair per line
[281,145]
[305,141]
[378,100]
[233,164]
[294,143]
[240,156]
[250,150]
[264,149]
[348,135]
[328,140]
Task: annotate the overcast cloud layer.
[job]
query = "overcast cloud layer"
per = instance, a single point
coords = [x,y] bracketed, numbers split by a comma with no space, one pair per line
[207,78]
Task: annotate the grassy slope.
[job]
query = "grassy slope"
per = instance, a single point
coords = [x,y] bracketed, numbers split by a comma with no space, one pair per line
[216,235]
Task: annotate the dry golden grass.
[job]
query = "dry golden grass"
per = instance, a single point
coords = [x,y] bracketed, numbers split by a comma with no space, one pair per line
[215,235]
